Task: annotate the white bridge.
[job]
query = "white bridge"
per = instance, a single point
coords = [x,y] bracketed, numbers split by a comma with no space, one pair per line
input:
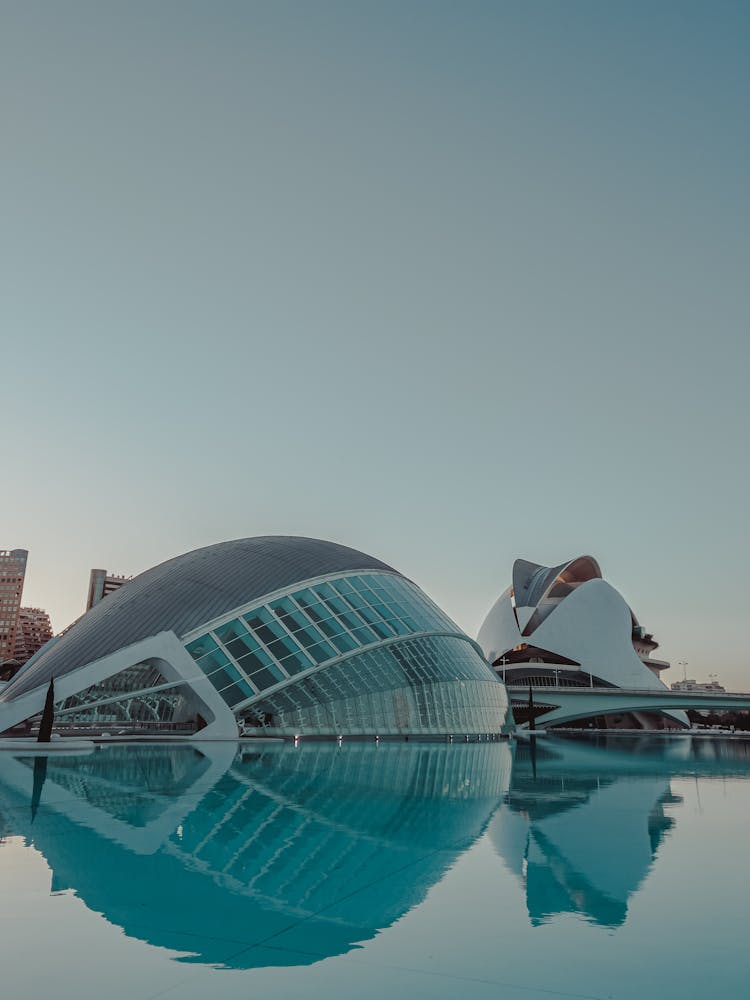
[554,705]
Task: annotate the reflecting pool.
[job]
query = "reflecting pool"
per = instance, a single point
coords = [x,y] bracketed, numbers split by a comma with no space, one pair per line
[556,867]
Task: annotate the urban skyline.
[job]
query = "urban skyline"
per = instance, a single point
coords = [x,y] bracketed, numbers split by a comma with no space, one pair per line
[23,629]
[102,583]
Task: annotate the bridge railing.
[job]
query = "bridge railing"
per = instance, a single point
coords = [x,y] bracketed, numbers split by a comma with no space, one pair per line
[655,692]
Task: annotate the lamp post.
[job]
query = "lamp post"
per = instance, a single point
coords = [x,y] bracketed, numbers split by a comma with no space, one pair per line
[684,665]
[503,661]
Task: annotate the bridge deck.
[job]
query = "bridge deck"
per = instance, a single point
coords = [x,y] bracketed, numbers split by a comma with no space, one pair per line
[566,704]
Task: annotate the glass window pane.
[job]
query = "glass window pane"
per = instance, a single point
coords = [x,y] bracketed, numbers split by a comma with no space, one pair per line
[306,597]
[338,604]
[266,678]
[253,663]
[288,613]
[254,655]
[399,626]
[324,618]
[235,693]
[325,591]
[231,630]
[213,661]
[335,631]
[264,615]
[198,647]
[296,662]
[344,643]
[364,635]
[375,620]
[321,652]
[385,612]
[307,635]
[298,623]
[283,604]
[280,648]
[383,629]
[354,599]
[266,627]
[241,646]
[357,627]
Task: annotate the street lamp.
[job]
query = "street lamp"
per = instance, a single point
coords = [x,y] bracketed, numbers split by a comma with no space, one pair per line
[503,661]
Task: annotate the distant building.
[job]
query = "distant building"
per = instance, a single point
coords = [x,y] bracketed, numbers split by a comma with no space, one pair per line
[689,684]
[12,574]
[102,583]
[34,630]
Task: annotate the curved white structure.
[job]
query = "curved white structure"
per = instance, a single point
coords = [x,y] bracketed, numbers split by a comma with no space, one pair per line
[566,626]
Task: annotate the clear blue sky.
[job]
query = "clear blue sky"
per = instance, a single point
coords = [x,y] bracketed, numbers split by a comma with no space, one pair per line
[449,282]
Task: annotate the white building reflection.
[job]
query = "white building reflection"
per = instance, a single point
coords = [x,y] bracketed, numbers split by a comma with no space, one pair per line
[581,826]
[248,856]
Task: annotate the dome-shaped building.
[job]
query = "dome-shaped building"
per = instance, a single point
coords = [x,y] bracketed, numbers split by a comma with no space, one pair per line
[273,635]
[566,626]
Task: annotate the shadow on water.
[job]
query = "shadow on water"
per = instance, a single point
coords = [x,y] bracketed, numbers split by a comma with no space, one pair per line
[242,857]
[40,776]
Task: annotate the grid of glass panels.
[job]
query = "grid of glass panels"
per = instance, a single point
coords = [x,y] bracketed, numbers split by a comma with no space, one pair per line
[310,626]
[153,709]
[431,685]
[139,677]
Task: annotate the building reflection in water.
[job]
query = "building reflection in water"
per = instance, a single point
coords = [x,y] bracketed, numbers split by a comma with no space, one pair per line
[583,819]
[279,856]
[581,838]
[304,851]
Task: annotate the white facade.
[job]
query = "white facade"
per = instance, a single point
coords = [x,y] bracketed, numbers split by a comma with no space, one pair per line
[566,625]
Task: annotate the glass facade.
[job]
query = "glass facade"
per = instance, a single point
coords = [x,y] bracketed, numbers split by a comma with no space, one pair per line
[366,653]
[161,710]
[428,685]
[139,677]
[137,696]
[308,627]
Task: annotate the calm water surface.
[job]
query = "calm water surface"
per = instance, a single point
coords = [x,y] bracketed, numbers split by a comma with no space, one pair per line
[565,869]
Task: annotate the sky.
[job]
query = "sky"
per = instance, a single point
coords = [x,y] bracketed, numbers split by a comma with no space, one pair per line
[451,283]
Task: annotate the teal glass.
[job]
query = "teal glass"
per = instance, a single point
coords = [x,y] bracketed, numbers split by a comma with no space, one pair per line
[256,659]
[313,626]
[302,629]
[232,630]
[199,647]
[212,661]
[265,677]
